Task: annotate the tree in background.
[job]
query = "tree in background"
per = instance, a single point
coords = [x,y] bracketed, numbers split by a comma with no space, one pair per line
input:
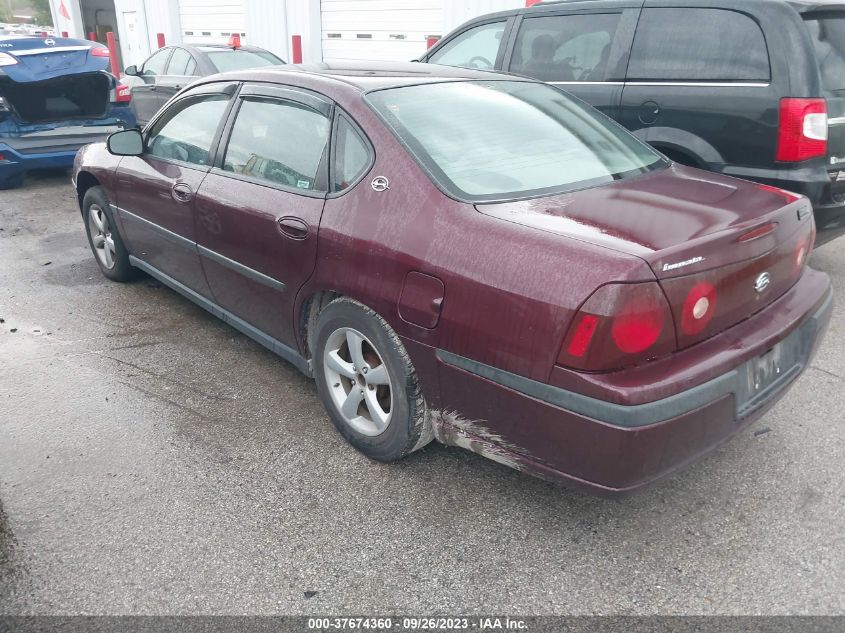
[41,12]
[38,9]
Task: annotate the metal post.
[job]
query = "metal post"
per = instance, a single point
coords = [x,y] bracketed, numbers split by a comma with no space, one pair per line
[112,44]
[296,48]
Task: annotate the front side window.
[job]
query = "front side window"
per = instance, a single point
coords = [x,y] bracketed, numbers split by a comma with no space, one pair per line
[698,45]
[280,142]
[351,156]
[155,64]
[566,47]
[493,140]
[477,47]
[187,130]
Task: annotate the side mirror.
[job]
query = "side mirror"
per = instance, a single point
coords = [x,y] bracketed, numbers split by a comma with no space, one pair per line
[126,143]
[131,70]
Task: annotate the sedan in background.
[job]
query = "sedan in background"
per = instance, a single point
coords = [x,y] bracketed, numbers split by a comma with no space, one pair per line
[55,96]
[469,256]
[170,69]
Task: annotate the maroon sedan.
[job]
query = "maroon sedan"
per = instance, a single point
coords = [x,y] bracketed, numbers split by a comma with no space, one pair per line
[470,257]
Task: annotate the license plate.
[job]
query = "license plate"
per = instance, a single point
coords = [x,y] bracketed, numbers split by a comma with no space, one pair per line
[767,373]
[766,369]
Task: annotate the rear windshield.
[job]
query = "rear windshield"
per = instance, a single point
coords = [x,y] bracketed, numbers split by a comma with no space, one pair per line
[494,140]
[226,60]
[827,30]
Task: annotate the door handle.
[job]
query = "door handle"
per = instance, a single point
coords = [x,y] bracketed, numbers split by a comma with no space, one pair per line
[294,228]
[182,192]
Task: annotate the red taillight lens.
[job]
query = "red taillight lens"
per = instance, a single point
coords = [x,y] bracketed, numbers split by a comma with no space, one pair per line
[620,325]
[802,129]
[100,51]
[122,94]
[580,341]
[802,253]
[639,326]
[699,308]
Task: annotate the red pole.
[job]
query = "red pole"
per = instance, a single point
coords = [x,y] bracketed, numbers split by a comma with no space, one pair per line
[296,46]
[44,34]
[64,33]
[431,40]
[528,3]
[160,37]
[92,36]
[115,69]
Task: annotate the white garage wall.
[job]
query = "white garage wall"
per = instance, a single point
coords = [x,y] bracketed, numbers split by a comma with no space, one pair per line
[456,12]
[389,30]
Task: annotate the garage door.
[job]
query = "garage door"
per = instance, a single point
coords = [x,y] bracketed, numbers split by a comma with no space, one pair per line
[211,21]
[386,30]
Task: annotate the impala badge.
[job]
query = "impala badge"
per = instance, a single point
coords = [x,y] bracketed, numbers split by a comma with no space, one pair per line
[762,282]
[380,183]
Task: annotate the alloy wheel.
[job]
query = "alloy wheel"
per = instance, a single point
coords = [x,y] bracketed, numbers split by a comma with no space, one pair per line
[358,381]
[101,236]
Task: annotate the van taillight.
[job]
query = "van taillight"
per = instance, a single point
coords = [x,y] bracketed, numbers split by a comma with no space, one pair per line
[620,325]
[100,51]
[802,129]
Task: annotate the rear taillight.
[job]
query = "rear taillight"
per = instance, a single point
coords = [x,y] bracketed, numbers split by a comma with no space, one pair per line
[620,325]
[802,253]
[100,51]
[122,94]
[699,308]
[802,129]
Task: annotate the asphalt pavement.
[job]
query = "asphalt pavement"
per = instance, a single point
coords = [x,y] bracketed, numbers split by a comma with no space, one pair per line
[155,461]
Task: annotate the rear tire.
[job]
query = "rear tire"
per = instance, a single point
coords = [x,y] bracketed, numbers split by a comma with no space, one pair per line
[367,382]
[104,237]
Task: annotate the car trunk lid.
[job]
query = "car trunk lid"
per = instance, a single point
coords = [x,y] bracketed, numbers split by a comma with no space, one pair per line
[44,58]
[694,229]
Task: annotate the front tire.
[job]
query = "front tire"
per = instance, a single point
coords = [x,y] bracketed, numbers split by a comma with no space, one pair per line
[367,382]
[104,238]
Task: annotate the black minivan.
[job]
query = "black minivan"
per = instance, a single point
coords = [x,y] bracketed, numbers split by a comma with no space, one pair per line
[749,88]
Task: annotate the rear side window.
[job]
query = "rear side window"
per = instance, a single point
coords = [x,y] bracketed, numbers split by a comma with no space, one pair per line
[477,47]
[827,30]
[698,45]
[351,156]
[566,47]
[280,142]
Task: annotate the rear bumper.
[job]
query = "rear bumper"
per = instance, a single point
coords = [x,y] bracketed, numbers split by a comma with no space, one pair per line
[48,149]
[612,448]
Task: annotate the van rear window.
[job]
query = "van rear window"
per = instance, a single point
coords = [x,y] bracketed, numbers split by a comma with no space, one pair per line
[827,30]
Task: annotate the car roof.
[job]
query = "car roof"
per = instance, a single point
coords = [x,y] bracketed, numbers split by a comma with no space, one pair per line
[550,5]
[205,48]
[365,76]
